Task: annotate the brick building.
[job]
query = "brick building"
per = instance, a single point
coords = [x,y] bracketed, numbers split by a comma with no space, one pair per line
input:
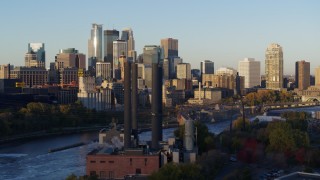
[107,164]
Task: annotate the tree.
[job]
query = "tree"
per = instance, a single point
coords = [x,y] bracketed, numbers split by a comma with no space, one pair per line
[238,123]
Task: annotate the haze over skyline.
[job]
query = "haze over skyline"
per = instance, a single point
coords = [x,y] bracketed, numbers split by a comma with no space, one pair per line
[224,32]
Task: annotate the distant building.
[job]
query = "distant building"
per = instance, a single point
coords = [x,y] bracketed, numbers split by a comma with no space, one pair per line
[68,76]
[5,71]
[166,66]
[219,81]
[184,71]
[103,71]
[226,71]
[302,75]
[207,67]
[173,63]
[250,69]
[274,67]
[36,56]
[170,47]
[30,76]
[151,54]
[95,43]
[109,37]
[119,49]
[317,76]
[70,58]
[127,36]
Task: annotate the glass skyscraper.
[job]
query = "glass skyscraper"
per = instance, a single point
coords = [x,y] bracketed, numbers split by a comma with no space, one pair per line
[36,56]
[95,43]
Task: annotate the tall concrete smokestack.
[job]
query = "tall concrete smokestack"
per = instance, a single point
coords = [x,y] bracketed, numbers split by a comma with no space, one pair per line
[134,79]
[127,104]
[156,105]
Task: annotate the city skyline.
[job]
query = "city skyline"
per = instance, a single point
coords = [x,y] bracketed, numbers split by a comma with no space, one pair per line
[222,33]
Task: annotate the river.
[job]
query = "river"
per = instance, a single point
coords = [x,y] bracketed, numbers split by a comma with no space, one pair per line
[31,160]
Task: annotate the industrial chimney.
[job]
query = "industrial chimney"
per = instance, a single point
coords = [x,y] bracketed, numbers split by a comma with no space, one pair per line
[127,104]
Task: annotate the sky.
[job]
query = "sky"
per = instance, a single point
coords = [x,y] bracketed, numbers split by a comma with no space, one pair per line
[222,31]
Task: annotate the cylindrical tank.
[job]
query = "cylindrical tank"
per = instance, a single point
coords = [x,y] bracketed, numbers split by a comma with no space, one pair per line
[189,135]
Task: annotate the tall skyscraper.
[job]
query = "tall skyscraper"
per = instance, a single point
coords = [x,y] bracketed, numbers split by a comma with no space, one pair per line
[302,75]
[119,49]
[95,43]
[207,67]
[151,54]
[109,37]
[103,71]
[250,69]
[317,76]
[127,35]
[36,56]
[184,71]
[274,67]
[170,47]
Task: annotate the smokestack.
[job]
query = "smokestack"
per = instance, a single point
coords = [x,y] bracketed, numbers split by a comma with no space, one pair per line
[134,79]
[156,105]
[199,91]
[127,104]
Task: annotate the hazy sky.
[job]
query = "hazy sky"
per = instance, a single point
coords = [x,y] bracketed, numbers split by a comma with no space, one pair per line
[223,31]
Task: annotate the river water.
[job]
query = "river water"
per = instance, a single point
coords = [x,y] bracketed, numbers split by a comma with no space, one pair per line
[31,160]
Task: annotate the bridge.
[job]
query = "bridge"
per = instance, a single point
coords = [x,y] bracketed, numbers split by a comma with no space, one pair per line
[312,102]
[310,98]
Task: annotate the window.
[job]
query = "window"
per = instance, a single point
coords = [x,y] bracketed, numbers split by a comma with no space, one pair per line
[92,161]
[111,174]
[138,171]
[102,161]
[130,161]
[145,161]
[103,174]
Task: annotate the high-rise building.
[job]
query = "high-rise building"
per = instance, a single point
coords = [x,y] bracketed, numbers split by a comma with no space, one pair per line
[103,71]
[36,56]
[317,76]
[173,62]
[127,35]
[119,49]
[250,69]
[207,67]
[109,37]
[274,67]
[302,75]
[30,76]
[165,67]
[151,54]
[219,81]
[170,47]
[5,71]
[184,71]
[70,58]
[95,43]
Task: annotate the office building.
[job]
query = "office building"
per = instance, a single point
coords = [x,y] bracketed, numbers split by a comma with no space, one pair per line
[127,35]
[250,70]
[36,56]
[5,71]
[219,81]
[119,49]
[95,43]
[109,37]
[184,71]
[68,76]
[173,62]
[151,54]
[274,67]
[302,80]
[207,67]
[317,76]
[30,76]
[103,71]
[170,47]
[165,67]
[70,58]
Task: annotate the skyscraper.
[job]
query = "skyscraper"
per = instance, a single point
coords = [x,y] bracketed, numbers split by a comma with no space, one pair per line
[170,47]
[95,43]
[184,71]
[250,69]
[127,35]
[302,75]
[274,67]
[103,71]
[317,76]
[36,56]
[109,37]
[151,54]
[119,49]
[207,67]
